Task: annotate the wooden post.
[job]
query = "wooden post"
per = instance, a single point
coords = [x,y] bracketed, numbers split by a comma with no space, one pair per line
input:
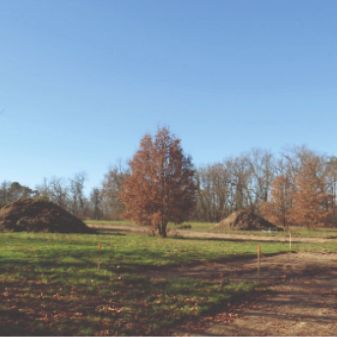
[290,242]
[258,253]
[99,247]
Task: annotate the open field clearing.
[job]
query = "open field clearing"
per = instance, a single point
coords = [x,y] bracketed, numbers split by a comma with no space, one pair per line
[65,284]
[210,227]
[127,284]
[200,230]
[169,168]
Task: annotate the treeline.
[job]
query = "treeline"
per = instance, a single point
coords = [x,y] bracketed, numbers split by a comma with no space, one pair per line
[297,187]
[102,202]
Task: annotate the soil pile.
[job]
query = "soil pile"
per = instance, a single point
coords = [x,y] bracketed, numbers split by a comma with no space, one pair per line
[246,220]
[39,216]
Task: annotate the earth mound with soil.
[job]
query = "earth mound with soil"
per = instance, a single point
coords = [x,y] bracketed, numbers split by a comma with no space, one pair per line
[246,220]
[39,216]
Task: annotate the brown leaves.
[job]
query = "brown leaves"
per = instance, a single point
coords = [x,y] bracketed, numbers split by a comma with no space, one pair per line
[311,204]
[161,185]
[304,201]
[278,209]
[223,317]
[110,308]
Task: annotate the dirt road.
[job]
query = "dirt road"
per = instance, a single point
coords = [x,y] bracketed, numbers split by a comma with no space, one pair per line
[206,235]
[301,298]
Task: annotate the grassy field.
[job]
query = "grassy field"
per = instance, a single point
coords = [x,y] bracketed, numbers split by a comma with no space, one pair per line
[189,225]
[102,284]
[296,232]
[210,227]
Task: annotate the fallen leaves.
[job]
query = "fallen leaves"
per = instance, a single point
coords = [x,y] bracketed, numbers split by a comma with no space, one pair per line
[108,308]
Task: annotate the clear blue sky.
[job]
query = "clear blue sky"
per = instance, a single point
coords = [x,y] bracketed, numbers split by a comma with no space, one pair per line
[82,81]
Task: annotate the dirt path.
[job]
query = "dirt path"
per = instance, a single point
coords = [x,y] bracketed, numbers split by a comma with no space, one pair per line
[207,235]
[301,298]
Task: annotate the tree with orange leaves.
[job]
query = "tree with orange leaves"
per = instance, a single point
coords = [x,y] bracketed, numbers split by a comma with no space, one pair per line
[278,209]
[311,204]
[161,186]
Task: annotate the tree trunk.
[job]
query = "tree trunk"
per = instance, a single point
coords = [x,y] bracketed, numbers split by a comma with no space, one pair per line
[162,228]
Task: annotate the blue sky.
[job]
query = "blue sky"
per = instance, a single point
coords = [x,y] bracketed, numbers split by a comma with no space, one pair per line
[82,81]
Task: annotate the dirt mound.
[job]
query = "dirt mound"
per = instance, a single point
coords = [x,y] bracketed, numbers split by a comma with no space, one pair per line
[246,220]
[39,216]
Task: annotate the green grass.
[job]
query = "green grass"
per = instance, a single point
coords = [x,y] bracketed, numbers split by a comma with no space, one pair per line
[324,233]
[65,284]
[296,232]
[192,225]
[196,226]
[210,227]
[109,222]
[131,249]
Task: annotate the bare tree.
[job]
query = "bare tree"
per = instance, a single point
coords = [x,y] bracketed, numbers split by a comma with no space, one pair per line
[96,203]
[55,190]
[241,181]
[331,182]
[112,205]
[263,172]
[76,195]
[212,192]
